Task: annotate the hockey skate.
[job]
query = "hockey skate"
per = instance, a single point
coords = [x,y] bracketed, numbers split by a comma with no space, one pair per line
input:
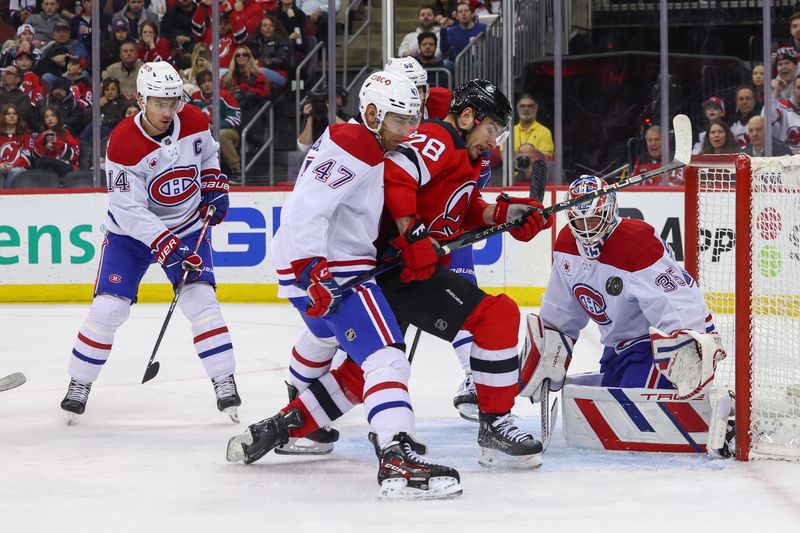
[262,437]
[74,403]
[404,474]
[503,444]
[466,399]
[319,442]
[228,399]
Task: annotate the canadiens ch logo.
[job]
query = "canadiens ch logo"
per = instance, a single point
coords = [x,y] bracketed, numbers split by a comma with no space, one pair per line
[115,278]
[592,302]
[449,222]
[174,186]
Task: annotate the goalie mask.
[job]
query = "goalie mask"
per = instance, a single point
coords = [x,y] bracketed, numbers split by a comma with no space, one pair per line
[592,220]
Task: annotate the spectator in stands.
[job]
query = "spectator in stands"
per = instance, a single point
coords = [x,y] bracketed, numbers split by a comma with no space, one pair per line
[80,26]
[525,155]
[294,20]
[80,86]
[134,15]
[745,108]
[44,22]
[756,148]
[131,109]
[718,139]
[315,110]
[151,46]
[758,82]
[246,83]
[200,60]
[427,58]
[20,10]
[109,52]
[230,120]
[126,69]
[485,7]
[713,110]
[444,13]
[11,93]
[651,160]
[25,41]
[71,113]
[786,62]
[31,84]
[455,38]
[112,110]
[176,26]
[16,144]
[529,131]
[57,53]
[55,148]
[794,31]
[409,46]
[274,50]
[231,32]
[316,12]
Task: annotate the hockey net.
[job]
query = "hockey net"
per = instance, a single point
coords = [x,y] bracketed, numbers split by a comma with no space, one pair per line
[743,248]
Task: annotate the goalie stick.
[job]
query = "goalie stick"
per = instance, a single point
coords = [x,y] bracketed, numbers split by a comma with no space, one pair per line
[153,365]
[682,127]
[12,381]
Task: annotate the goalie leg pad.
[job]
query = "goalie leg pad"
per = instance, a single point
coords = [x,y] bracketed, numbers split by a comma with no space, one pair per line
[546,355]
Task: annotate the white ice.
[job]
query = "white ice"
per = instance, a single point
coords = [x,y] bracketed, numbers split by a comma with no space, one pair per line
[151,457]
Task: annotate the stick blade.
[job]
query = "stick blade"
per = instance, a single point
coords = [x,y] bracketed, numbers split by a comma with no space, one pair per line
[12,381]
[538,180]
[682,129]
[150,372]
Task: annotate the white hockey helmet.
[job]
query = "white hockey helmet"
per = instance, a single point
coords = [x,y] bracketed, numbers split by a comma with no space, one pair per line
[158,79]
[389,93]
[410,68]
[590,221]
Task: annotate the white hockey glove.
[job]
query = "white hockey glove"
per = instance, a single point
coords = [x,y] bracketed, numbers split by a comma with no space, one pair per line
[687,358]
[546,355]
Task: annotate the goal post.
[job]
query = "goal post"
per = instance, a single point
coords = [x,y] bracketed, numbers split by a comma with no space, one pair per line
[742,219]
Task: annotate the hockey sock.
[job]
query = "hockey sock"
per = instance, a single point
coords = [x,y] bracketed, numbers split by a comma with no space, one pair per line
[462,345]
[386,399]
[95,337]
[212,342]
[311,358]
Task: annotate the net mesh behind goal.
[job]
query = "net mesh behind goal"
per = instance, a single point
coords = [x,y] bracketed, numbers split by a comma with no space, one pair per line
[760,280]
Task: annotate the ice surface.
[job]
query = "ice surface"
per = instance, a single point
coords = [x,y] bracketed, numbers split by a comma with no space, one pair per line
[151,458]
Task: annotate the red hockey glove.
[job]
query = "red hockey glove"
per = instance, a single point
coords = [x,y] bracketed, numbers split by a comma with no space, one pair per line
[324,294]
[177,257]
[214,192]
[509,208]
[417,251]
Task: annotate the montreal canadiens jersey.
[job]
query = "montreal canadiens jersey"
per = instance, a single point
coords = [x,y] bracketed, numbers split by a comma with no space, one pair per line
[154,186]
[633,284]
[431,176]
[335,208]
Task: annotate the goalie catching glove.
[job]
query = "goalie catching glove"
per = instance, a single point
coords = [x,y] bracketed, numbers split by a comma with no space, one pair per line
[509,209]
[314,276]
[544,359]
[687,358]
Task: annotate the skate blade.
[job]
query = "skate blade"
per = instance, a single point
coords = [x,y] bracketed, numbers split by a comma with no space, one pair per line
[70,418]
[232,412]
[491,458]
[236,445]
[439,488]
[468,411]
[304,446]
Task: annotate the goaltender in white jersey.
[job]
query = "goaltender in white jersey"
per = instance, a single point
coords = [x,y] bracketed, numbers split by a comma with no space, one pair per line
[657,331]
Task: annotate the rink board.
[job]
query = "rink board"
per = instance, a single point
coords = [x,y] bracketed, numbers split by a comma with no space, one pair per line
[50,244]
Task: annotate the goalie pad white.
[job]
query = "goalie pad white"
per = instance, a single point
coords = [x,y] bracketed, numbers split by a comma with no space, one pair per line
[640,420]
[687,358]
[546,355]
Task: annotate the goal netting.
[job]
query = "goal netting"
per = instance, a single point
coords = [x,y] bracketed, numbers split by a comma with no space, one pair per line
[743,247]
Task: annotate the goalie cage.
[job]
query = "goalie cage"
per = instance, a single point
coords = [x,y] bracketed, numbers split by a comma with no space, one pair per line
[743,248]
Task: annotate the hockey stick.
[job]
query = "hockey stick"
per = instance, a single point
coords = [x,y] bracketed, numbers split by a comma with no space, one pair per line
[414,346]
[549,416]
[152,365]
[12,381]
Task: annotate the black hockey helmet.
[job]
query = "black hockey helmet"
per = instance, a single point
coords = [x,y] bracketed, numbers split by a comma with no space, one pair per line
[485,98]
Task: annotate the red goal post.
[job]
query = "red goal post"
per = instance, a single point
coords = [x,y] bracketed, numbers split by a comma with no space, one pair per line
[742,219]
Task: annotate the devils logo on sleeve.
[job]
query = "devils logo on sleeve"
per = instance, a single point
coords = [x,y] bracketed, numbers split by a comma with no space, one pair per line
[449,223]
[174,186]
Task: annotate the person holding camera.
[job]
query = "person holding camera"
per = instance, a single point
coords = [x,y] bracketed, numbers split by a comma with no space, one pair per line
[526,154]
[315,109]
[55,148]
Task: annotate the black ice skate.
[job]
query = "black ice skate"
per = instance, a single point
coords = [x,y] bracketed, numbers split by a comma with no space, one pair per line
[227,396]
[506,445]
[404,474]
[466,399]
[75,400]
[262,437]
[319,442]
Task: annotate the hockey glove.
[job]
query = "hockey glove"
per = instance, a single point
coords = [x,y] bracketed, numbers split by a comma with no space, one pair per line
[509,208]
[176,257]
[418,252]
[315,278]
[214,192]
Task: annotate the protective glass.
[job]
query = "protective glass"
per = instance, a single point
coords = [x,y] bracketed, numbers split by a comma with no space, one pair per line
[402,125]
[493,130]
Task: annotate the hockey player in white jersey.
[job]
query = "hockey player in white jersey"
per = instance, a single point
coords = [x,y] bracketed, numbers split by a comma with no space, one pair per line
[163,175]
[657,331]
[327,233]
